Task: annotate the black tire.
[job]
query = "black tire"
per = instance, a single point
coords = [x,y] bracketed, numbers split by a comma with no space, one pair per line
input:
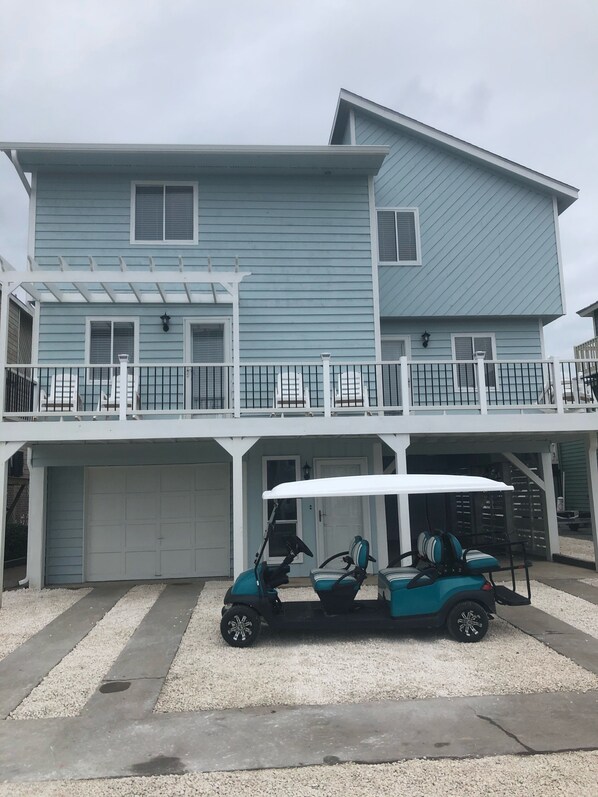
[467,622]
[240,626]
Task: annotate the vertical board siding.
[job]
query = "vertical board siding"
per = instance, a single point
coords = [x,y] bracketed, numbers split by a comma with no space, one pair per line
[488,242]
[305,240]
[64,525]
[572,457]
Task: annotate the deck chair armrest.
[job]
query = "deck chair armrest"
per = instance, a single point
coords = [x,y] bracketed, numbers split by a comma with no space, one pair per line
[402,556]
[336,556]
[102,402]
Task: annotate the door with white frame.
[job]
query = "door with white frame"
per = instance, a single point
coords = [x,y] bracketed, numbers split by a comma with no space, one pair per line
[339,519]
[208,345]
[393,348]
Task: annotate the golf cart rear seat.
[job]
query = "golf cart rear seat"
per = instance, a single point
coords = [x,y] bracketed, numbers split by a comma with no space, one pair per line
[337,589]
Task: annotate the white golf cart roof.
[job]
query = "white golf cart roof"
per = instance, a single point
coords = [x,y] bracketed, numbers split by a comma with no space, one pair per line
[384,485]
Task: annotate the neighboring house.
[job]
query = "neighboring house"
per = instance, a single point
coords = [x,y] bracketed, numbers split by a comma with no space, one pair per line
[214,320]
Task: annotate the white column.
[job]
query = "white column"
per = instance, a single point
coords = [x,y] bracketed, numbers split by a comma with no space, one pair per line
[592,468]
[326,382]
[399,444]
[236,335]
[381,528]
[552,522]
[122,381]
[36,540]
[237,447]
[481,380]
[4,311]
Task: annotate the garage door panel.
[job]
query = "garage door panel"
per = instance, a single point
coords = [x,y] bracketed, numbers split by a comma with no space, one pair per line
[178,478]
[106,539]
[140,564]
[141,536]
[177,536]
[211,477]
[177,506]
[102,563]
[212,561]
[108,480]
[175,564]
[143,480]
[106,508]
[213,505]
[210,534]
[142,507]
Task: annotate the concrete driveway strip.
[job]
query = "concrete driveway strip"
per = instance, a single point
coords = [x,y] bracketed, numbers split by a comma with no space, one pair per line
[132,686]
[24,668]
[562,637]
[573,586]
[264,738]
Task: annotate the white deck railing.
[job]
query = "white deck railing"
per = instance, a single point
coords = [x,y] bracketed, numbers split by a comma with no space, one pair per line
[587,350]
[325,387]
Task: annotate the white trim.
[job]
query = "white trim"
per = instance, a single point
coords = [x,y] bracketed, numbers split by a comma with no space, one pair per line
[352,133]
[492,335]
[113,319]
[418,260]
[375,282]
[32,217]
[164,241]
[542,345]
[299,476]
[567,192]
[367,522]
[559,255]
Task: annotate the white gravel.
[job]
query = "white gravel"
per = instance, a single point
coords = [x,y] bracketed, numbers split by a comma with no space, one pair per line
[581,614]
[279,670]
[66,688]
[24,612]
[557,775]
[578,549]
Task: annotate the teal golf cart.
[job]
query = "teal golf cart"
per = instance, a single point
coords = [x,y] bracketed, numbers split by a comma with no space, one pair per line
[440,584]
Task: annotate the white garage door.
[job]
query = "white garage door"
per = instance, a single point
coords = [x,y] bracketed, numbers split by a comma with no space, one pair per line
[163,521]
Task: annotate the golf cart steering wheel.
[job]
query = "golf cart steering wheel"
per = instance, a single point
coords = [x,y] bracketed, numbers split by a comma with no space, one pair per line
[296,546]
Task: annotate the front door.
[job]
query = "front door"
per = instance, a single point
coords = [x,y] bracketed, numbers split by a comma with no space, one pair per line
[207,382]
[338,520]
[393,349]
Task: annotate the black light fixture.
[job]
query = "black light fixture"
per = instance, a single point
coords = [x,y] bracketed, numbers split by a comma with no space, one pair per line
[165,319]
[425,339]
[306,471]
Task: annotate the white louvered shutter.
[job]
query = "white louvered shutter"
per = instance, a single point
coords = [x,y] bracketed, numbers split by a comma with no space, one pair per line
[406,236]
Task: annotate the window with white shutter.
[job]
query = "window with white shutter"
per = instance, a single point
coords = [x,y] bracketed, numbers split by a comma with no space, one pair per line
[466,347]
[398,236]
[164,213]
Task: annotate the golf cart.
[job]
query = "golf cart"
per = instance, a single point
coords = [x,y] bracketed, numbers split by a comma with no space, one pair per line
[444,585]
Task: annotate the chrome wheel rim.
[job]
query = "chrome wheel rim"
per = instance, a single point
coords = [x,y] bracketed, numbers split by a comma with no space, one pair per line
[469,623]
[240,627]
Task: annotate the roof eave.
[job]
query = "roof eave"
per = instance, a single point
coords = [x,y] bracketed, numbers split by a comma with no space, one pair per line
[586,312]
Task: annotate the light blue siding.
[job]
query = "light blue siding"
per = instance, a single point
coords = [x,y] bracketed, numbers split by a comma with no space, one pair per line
[488,243]
[64,525]
[516,338]
[306,242]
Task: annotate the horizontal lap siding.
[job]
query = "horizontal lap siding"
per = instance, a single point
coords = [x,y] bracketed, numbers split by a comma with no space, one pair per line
[305,240]
[488,242]
[64,525]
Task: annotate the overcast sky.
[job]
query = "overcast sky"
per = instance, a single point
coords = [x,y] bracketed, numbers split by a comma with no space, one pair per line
[517,77]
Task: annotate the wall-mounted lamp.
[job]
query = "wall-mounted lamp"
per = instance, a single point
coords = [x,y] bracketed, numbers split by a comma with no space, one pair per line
[165,319]
[425,339]
[306,471]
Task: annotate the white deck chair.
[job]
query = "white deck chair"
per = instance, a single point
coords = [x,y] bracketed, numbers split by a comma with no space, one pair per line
[350,391]
[63,395]
[112,402]
[290,392]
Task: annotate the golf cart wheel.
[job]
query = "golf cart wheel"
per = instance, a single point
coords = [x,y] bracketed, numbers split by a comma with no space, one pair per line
[467,622]
[240,626]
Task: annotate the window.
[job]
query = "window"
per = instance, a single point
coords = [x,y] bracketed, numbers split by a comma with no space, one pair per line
[398,236]
[288,523]
[465,347]
[164,213]
[107,339]
[393,348]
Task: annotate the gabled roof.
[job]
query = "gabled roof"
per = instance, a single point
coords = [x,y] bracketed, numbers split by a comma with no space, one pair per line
[588,311]
[564,193]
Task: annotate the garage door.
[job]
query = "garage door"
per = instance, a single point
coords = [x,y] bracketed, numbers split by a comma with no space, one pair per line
[166,521]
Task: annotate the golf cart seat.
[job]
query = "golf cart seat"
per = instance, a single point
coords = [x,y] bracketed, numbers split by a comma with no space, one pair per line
[347,556]
[473,561]
[392,579]
[337,589]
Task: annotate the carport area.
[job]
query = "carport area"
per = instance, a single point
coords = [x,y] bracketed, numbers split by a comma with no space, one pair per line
[120,680]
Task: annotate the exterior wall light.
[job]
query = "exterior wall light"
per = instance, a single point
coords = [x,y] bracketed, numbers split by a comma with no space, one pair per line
[306,472]
[425,339]
[165,319]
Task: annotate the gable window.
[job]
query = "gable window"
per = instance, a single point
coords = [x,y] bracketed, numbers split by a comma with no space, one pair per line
[164,213]
[106,340]
[398,236]
[465,347]
[288,522]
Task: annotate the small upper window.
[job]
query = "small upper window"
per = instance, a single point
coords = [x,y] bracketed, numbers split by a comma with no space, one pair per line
[164,212]
[398,236]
